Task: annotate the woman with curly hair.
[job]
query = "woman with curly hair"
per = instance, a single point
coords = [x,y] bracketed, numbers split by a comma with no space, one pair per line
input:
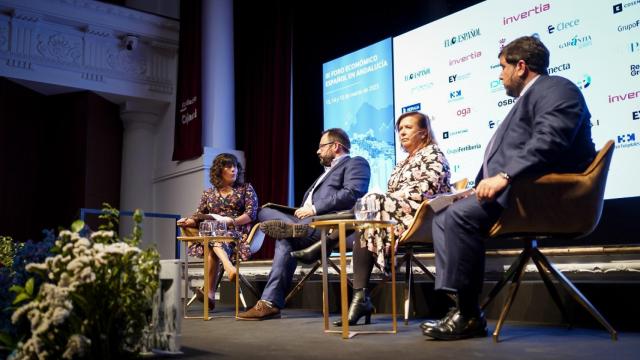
[232,201]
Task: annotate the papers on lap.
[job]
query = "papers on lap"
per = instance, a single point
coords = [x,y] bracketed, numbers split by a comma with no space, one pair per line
[441,201]
[281,208]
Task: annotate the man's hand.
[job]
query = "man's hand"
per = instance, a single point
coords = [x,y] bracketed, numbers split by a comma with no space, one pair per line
[304,212]
[489,188]
[188,222]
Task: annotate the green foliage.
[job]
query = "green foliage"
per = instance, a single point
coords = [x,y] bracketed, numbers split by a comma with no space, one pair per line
[8,249]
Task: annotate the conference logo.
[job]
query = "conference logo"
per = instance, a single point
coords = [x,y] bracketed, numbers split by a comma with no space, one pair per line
[635,70]
[455,95]
[417,74]
[633,25]
[506,102]
[563,25]
[463,112]
[473,55]
[624,97]
[559,68]
[626,141]
[538,9]
[448,134]
[585,82]
[496,85]
[459,77]
[462,37]
[410,108]
[617,8]
[463,148]
[578,42]
[635,115]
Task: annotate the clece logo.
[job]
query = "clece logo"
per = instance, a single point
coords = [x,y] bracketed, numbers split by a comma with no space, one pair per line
[496,85]
[494,124]
[417,74]
[462,37]
[624,97]
[585,82]
[459,77]
[627,27]
[525,14]
[410,108]
[578,42]
[473,55]
[561,26]
[635,70]
[555,69]
[455,95]
[506,102]
[635,115]
[463,112]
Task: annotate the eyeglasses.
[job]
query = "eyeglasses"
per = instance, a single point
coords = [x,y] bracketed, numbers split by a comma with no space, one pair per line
[325,144]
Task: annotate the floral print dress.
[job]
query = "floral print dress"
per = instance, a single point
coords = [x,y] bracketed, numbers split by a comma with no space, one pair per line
[412,181]
[242,200]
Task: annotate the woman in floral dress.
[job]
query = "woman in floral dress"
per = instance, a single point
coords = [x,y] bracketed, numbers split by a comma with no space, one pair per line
[424,173]
[233,202]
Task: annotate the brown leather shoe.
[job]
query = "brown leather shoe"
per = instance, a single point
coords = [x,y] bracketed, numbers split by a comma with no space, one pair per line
[279,229]
[261,311]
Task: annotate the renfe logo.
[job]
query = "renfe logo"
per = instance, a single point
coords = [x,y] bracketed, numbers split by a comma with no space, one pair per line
[525,14]
[623,97]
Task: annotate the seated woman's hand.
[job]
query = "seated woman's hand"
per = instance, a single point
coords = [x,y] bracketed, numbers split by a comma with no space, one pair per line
[188,222]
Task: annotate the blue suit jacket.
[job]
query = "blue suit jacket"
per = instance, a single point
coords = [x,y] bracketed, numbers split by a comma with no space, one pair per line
[547,130]
[345,182]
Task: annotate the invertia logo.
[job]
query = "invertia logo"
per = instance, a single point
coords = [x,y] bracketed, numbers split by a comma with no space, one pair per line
[563,25]
[525,14]
[555,69]
[585,82]
[471,56]
[462,37]
[624,97]
[417,74]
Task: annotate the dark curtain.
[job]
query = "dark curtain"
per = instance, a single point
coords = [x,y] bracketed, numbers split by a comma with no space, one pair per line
[187,142]
[263,90]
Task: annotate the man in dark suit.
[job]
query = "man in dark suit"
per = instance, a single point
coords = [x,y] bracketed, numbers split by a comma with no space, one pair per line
[547,130]
[344,180]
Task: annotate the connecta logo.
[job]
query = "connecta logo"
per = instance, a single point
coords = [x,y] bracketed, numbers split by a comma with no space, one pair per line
[459,77]
[496,85]
[410,108]
[585,82]
[506,102]
[455,95]
[463,148]
[462,37]
[448,134]
[624,97]
[417,74]
[473,55]
[558,68]
[635,70]
[621,6]
[577,42]
[627,27]
[525,14]
[635,115]
[563,25]
[626,141]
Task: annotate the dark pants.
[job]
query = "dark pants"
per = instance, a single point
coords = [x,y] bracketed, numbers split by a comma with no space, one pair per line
[363,261]
[459,233]
[283,265]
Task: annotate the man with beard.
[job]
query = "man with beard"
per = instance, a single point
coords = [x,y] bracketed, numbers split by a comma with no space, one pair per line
[344,180]
[547,130]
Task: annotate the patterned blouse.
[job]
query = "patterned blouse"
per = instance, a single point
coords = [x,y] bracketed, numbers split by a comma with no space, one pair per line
[242,200]
[412,181]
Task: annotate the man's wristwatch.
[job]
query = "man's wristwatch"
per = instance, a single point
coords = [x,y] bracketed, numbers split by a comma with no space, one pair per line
[505,176]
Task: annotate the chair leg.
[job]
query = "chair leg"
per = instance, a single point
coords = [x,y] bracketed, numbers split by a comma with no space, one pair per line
[513,290]
[544,274]
[300,283]
[337,269]
[505,278]
[408,282]
[247,284]
[423,268]
[576,294]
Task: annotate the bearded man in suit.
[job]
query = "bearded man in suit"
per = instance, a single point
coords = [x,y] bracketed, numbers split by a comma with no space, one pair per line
[344,180]
[547,130]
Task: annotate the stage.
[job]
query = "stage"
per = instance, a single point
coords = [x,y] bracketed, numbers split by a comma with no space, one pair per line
[299,335]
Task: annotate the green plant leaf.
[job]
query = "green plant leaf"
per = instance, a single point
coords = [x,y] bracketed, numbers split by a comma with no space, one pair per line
[21,297]
[16,288]
[7,340]
[77,225]
[28,287]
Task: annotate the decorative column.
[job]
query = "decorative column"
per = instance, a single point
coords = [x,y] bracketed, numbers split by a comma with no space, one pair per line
[218,89]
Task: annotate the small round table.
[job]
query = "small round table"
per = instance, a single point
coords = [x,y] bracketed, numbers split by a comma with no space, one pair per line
[342,226]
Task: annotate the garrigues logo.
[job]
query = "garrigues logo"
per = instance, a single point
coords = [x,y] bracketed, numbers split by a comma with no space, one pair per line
[564,25]
[462,37]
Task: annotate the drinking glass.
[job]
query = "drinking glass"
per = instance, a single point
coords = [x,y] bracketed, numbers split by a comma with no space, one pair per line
[206,228]
[366,208]
[220,228]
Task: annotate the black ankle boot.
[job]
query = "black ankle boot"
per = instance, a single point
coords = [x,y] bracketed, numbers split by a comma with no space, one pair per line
[312,253]
[360,306]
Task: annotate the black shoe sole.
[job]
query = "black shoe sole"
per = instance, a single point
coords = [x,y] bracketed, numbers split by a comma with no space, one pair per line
[448,337]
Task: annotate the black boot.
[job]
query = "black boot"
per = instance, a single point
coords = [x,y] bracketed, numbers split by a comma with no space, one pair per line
[312,253]
[360,306]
